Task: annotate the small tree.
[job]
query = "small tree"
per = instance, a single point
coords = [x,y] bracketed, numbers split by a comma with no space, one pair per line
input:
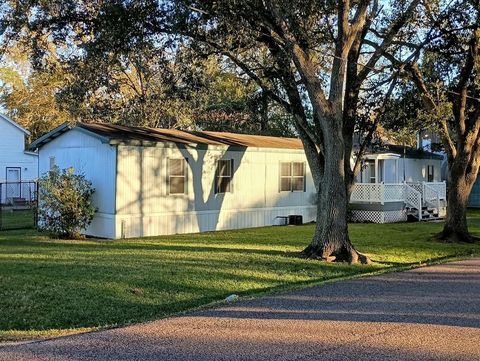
[65,203]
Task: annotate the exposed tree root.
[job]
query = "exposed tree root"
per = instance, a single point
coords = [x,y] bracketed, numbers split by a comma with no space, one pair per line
[346,254]
[456,237]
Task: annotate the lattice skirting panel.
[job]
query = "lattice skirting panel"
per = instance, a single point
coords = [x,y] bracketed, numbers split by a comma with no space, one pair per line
[378,216]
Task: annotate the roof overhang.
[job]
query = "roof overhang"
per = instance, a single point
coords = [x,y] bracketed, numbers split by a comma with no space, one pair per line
[44,139]
[61,129]
[382,156]
[8,120]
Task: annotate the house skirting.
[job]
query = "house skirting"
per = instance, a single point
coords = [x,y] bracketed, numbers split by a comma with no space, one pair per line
[135,225]
[377,216]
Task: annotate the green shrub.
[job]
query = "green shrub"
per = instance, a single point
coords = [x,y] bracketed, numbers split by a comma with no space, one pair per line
[65,203]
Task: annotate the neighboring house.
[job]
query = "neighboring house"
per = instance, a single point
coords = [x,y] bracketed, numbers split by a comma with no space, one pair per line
[474,199]
[396,164]
[152,181]
[396,182]
[16,164]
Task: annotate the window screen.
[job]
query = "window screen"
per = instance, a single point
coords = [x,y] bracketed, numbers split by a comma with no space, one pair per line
[224,176]
[177,176]
[292,177]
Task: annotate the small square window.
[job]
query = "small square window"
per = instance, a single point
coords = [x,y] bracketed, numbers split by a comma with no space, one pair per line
[292,177]
[285,184]
[285,169]
[298,170]
[297,184]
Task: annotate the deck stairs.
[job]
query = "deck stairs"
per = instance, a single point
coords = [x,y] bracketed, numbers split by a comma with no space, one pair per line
[425,201]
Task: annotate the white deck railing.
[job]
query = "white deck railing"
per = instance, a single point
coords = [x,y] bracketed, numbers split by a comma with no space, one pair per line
[378,192]
[414,194]
[439,187]
[413,199]
[431,196]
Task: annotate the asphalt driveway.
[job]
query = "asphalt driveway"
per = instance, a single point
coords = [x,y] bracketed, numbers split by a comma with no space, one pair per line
[430,313]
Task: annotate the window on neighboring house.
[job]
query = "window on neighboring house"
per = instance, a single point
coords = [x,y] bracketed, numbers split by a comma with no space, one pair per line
[371,171]
[177,176]
[224,176]
[292,177]
[52,163]
[430,173]
[381,168]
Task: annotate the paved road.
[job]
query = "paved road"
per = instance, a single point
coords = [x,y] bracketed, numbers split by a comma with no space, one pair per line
[426,314]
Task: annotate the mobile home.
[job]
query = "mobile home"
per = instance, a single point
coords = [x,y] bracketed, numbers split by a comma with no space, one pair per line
[397,182]
[156,181]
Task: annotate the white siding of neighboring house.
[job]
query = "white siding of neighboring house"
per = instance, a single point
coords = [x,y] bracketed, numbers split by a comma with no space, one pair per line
[13,155]
[393,169]
[12,152]
[416,169]
[96,160]
[144,207]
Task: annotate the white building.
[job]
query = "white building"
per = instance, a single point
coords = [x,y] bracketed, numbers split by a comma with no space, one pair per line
[397,164]
[152,181]
[396,182]
[16,164]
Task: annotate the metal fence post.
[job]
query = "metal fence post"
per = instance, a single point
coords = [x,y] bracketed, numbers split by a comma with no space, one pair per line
[1,205]
[35,197]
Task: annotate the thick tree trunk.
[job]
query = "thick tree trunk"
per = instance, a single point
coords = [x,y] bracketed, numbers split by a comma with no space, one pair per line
[460,185]
[331,241]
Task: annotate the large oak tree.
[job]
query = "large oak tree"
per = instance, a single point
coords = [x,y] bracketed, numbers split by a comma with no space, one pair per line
[445,71]
[311,57]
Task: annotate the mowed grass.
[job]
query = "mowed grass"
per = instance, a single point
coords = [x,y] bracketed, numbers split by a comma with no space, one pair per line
[16,219]
[52,287]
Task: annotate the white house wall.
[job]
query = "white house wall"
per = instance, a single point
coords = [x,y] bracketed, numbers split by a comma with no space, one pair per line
[416,169]
[393,169]
[390,171]
[144,207]
[12,152]
[96,160]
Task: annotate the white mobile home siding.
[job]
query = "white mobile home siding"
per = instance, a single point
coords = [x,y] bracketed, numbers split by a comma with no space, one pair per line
[96,160]
[144,207]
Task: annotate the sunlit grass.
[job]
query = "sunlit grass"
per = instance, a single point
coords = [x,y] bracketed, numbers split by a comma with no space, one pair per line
[49,287]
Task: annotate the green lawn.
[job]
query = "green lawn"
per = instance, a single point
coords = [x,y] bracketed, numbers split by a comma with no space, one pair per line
[17,219]
[52,287]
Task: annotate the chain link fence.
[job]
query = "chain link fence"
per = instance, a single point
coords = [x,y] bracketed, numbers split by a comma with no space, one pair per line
[18,201]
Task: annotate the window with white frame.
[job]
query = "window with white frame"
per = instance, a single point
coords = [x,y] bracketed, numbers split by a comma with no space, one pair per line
[292,177]
[224,176]
[177,176]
